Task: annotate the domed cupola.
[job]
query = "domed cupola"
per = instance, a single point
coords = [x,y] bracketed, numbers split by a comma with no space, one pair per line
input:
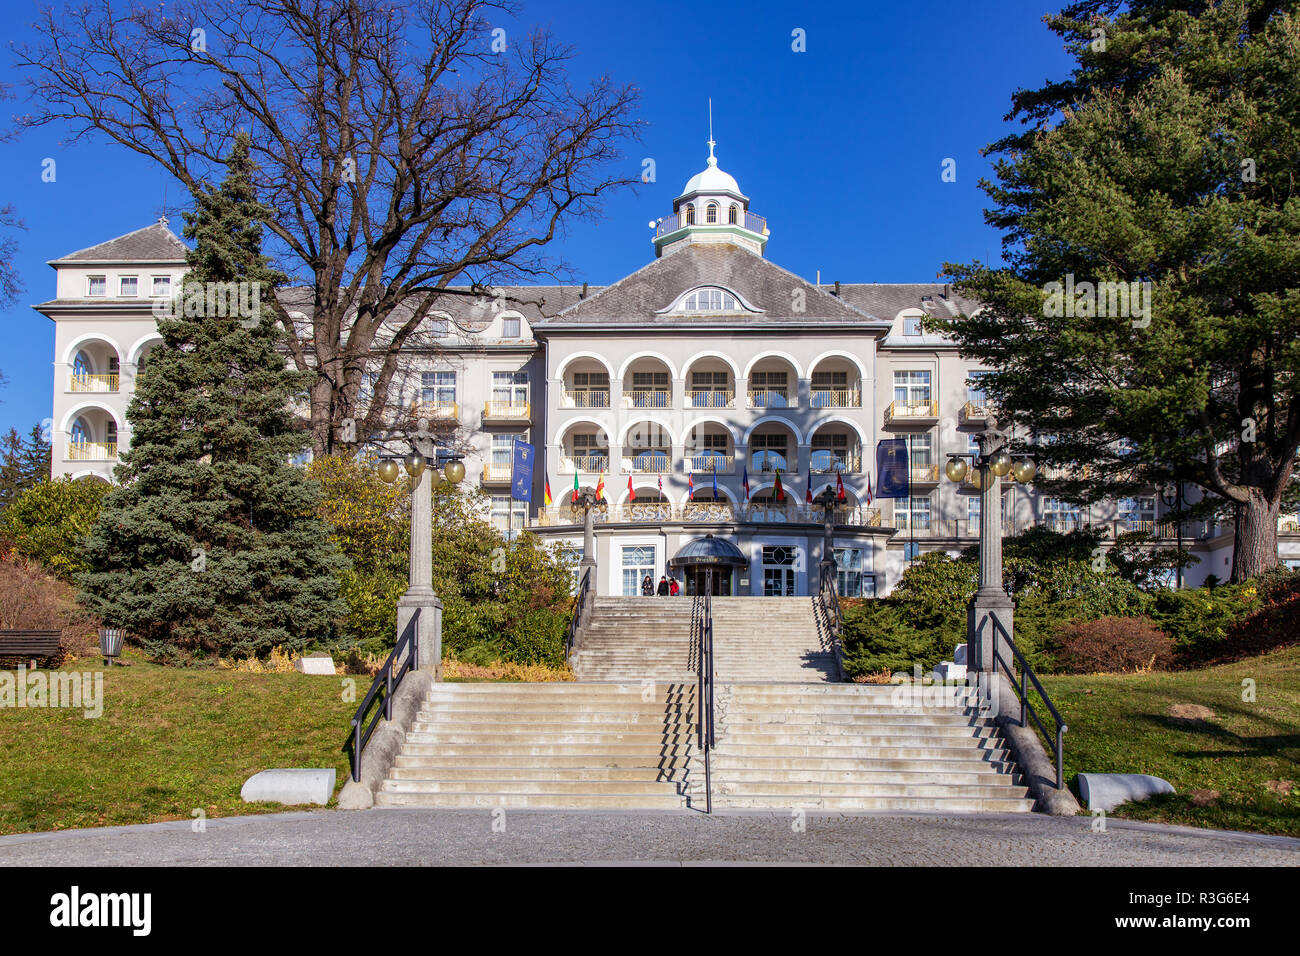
[711,209]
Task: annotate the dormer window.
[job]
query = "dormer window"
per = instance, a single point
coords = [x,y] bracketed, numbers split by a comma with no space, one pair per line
[711,213]
[710,300]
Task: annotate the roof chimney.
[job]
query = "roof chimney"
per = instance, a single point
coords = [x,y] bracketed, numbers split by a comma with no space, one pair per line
[837,286]
[583,293]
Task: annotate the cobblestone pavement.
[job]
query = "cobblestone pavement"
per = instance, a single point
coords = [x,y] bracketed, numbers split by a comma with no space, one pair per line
[477,837]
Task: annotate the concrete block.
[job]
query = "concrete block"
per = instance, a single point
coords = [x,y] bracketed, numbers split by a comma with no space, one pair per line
[1105,791]
[948,671]
[297,785]
[315,664]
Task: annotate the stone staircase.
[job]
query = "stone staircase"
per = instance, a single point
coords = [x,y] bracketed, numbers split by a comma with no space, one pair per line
[770,639]
[560,745]
[624,736]
[858,747]
[754,639]
[637,638]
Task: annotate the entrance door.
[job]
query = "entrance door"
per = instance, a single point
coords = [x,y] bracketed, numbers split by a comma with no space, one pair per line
[697,581]
[778,571]
[638,562]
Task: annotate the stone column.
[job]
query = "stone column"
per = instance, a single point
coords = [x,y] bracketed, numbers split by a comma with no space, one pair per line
[991,603]
[420,594]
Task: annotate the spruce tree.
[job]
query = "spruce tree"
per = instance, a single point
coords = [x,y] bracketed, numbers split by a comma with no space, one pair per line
[23,463]
[212,544]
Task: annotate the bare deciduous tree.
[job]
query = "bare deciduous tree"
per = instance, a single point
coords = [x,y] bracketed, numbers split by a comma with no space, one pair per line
[405,146]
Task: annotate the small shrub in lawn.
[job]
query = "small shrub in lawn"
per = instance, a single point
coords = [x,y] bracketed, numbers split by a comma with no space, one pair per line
[1112,644]
[1198,619]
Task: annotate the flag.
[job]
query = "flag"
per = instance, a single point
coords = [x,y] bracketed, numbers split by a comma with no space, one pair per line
[600,488]
[690,487]
[744,480]
[548,492]
[780,492]
[868,489]
[839,491]
[715,481]
[891,466]
[575,487]
[661,485]
[631,492]
[807,494]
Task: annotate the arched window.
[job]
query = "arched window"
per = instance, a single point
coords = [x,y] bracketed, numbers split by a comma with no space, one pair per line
[80,431]
[733,214]
[710,300]
[690,215]
[711,213]
[81,364]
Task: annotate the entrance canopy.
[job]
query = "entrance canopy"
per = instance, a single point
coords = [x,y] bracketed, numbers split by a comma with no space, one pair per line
[709,551]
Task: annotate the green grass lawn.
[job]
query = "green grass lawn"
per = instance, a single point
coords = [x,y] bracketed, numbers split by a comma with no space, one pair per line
[170,741]
[1122,724]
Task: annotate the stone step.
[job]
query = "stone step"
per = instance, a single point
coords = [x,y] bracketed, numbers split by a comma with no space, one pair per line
[814,730]
[596,753]
[736,717]
[649,735]
[559,774]
[540,801]
[513,763]
[766,763]
[864,751]
[905,791]
[880,777]
[954,804]
[525,784]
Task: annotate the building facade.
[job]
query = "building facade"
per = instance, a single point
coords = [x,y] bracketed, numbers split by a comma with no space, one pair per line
[711,391]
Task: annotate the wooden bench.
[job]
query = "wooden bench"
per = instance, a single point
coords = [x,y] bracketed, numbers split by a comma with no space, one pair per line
[30,645]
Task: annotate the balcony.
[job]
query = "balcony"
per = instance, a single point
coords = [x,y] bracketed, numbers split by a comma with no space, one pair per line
[769,462]
[495,473]
[912,412]
[1288,526]
[495,413]
[836,397]
[924,474]
[585,398]
[87,382]
[973,413]
[92,450]
[710,512]
[653,462]
[710,398]
[647,398]
[584,464]
[771,398]
[938,528]
[709,464]
[677,220]
[825,463]
[436,411]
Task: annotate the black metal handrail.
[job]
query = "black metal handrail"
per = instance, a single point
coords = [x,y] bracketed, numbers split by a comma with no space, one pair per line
[702,626]
[388,680]
[576,621]
[1021,691]
[829,596]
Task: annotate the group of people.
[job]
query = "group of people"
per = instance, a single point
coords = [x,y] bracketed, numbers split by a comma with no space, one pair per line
[668,587]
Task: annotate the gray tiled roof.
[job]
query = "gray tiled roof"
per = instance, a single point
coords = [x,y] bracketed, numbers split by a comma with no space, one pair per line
[153,243]
[638,297]
[886,300]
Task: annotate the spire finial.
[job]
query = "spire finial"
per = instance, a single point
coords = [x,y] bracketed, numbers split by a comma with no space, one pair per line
[712,159]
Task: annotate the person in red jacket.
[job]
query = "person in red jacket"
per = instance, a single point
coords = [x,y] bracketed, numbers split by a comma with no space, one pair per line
[673,588]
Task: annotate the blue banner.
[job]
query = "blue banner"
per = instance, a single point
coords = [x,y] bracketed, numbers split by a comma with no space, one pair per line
[521,475]
[893,478]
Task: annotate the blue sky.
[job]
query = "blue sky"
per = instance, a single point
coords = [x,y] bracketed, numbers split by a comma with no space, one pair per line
[840,147]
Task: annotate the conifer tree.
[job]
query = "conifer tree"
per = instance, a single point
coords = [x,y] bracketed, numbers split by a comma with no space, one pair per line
[23,463]
[211,543]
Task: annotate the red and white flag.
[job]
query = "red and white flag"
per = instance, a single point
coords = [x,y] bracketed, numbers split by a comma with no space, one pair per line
[839,491]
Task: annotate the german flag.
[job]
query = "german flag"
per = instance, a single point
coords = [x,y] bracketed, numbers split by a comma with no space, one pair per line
[780,491]
[548,492]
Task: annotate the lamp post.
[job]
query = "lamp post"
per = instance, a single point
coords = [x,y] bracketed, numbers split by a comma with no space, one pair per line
[420,595]
[826,498]
[990,602]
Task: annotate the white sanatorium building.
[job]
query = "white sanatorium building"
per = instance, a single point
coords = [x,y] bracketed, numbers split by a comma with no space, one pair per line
[708,363]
